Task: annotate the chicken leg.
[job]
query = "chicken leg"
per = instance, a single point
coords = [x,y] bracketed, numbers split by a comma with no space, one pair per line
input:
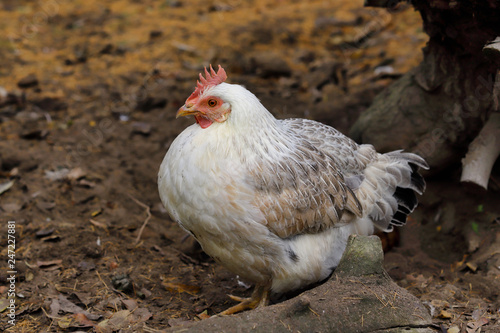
[260,297]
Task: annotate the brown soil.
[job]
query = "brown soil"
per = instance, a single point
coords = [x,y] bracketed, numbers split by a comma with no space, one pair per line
[88,94]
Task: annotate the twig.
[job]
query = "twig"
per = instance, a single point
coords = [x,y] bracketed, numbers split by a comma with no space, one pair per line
[104,283]
[49,316]
[314,312]
[148,217]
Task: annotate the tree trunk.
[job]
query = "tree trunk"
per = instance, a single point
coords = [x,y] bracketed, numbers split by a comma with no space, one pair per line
[438,108]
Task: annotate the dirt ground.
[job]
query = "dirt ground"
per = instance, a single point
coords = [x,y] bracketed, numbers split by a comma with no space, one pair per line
[88,95]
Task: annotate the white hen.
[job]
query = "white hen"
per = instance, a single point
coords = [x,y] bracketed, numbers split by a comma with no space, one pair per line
[274,201]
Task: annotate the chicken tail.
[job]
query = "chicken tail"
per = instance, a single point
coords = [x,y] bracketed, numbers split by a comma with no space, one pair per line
[389,190]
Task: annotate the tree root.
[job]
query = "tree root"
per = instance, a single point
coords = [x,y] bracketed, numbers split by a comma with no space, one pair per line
[482,154]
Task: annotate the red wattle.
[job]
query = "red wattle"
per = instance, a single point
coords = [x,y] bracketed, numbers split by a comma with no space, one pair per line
[203,122]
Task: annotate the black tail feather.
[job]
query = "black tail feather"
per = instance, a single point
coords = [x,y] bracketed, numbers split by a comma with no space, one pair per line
[417,181]
[406,197]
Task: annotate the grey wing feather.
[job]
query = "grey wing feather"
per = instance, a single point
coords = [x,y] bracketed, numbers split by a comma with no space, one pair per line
[302,190]
[336,180]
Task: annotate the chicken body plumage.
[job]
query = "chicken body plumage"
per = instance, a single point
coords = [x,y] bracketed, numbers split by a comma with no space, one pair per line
[273,200]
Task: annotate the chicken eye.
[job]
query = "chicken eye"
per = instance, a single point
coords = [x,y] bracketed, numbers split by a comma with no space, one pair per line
[212,102]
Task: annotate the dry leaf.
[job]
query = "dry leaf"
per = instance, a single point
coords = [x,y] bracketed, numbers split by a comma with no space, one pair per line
[75,174]
[180,288]
[61,303]
[44,232]
[5,186]
[4,303]
[11,207]
[98,224]
[96,212]
[43,205]
[29,276]
[119,320]
[83,320]
[445,314]
[52,238]
[142,314]
[65,322]
[130,304]
[50,264]
[84,297]
[203,315]
[56,175]
[475,326]
[86,183]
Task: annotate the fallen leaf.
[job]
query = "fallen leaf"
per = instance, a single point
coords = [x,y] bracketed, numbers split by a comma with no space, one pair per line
[444,314]
[4,303]
[55,307]
[83,320]
[475,326]
[119,320]
[203,315]
[476,314]
[86,183]
[482,321]
[178,322]
[84,297]
[76,174]
[12,207]
[98,224]
[5,186]
[159,249]
[454,329]
[53,238]
[44,232]
[130,304]
[146,292]
[472,266]
[142,314]
[96,212]
[14,172]
[65,322]
[78,320]
[43,205]
[114,303]
[67,306]
[50,264]
[56,175]
[86,266]
[29,276]
[180,288]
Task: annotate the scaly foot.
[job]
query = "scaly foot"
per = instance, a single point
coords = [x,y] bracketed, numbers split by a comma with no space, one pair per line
[260,297]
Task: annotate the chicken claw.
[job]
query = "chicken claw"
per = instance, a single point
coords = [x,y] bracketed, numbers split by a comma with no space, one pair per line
[260,297]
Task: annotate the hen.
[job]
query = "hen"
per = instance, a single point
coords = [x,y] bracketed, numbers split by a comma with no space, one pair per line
[274,201]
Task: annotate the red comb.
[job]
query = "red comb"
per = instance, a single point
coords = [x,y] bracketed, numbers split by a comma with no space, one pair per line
[210,80]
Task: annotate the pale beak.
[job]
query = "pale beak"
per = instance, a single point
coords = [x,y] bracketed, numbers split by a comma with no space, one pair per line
[186,110]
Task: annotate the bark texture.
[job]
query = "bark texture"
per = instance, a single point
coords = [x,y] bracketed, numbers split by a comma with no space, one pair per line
[438,108]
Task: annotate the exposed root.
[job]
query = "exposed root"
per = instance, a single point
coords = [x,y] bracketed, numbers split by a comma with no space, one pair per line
[482,154]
